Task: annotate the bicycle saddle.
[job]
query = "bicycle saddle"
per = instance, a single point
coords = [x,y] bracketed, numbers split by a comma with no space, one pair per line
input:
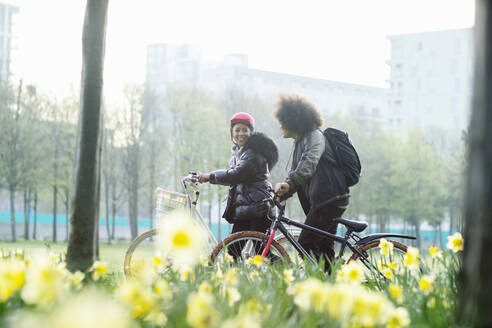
[356,226]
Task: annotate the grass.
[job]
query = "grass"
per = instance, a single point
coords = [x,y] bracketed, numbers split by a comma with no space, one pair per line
[113,254]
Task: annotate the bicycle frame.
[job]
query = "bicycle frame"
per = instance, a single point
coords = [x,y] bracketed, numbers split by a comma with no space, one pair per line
[277,224]
[344,241]
[194,212]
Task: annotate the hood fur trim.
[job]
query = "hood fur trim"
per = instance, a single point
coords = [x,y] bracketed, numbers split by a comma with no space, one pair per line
[265,146]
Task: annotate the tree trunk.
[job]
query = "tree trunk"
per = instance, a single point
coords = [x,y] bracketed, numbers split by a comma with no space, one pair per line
[475,280]
[35,219]
[12,213]
[106,208]
[55,209]
[27,207]
[113,215]
[98,191]
[67,213]
[80,252]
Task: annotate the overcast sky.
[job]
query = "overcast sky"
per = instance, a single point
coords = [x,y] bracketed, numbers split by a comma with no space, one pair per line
[341,40]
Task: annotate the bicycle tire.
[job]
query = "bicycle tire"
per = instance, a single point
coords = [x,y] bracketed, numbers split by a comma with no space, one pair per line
[133,246]
[400,248]
[254,236]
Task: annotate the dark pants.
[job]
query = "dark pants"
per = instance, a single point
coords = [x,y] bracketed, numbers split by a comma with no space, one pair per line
[260,225]
[318,245]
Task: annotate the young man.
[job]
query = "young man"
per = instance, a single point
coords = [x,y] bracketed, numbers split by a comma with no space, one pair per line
[322,189]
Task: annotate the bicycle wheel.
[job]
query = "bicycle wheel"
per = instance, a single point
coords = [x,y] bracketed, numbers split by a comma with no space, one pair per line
[246,244]
[293,254]
[141,251]
[381,267]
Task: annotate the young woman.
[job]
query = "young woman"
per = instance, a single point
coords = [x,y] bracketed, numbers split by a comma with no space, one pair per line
[253,156]
[322,190]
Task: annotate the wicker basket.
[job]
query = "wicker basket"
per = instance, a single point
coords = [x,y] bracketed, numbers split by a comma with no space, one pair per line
[166,201]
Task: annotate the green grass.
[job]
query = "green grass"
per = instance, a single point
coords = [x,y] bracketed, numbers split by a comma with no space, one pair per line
[113,254]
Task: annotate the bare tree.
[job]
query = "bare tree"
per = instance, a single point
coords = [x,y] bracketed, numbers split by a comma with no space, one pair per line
[132,136]
[80,253]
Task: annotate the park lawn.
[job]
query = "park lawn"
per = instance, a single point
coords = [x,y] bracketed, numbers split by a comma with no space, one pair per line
[113,254]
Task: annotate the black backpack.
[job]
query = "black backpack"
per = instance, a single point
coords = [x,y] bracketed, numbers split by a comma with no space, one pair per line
[344,154]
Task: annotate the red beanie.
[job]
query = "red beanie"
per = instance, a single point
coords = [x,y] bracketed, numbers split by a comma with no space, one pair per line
[243,118]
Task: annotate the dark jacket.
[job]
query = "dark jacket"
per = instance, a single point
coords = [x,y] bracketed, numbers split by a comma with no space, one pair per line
[247,177]
[316,184]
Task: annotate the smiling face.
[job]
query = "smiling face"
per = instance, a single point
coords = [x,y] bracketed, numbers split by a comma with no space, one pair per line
[240,133]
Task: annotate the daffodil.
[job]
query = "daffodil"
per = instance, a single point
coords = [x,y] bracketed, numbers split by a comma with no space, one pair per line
[288,276]
[353,272]
[76,279]
[411,258]
[88,309]
[205,287]
[455,242]
[162,289]
[140,298]
[370,309]
[385,247]
[44,282]
[396,292]
[435,252]
[310,294]
[156,317]
[258,261]
[200,310]
[181,240]
[230,277]
[232,295]
[398,318]
[426,282]
[12,278]
[99,269]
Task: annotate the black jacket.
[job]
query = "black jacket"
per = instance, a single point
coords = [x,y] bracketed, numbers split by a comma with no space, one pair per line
[247,177]
[314,174]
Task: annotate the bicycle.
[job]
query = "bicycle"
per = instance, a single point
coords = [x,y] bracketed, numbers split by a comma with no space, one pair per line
[143,248]
[246,244]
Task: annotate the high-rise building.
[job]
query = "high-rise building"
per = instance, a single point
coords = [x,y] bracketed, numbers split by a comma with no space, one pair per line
[431,79]
[6,13]
[182,66]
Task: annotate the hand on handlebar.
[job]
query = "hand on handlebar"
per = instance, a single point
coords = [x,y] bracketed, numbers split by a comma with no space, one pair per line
[281,188]
[203,177]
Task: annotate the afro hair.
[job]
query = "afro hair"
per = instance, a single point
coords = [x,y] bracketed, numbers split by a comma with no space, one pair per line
[296,114]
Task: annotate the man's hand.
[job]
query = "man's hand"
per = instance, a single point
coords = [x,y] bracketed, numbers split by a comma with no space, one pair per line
[203,177]
[281,188]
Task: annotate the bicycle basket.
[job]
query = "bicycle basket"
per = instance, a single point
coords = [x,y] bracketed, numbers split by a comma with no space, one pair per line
[169,200]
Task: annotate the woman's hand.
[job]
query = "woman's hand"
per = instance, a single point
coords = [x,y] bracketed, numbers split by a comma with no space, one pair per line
[203,177]
[281,188]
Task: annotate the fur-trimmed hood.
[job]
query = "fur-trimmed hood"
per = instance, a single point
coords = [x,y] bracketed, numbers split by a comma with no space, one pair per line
[263,145]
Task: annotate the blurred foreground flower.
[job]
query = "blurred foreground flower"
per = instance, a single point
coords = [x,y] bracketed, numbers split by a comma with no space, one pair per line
[89,309]
[398,318]
[12,278]
[44,282]
[435,252]
[455,242]
[396,292]
[180,239]
[411,258]
[98,269]
[385,247]
[353,272]
[200,310]
[425,283]
[288,275]
[140,298]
